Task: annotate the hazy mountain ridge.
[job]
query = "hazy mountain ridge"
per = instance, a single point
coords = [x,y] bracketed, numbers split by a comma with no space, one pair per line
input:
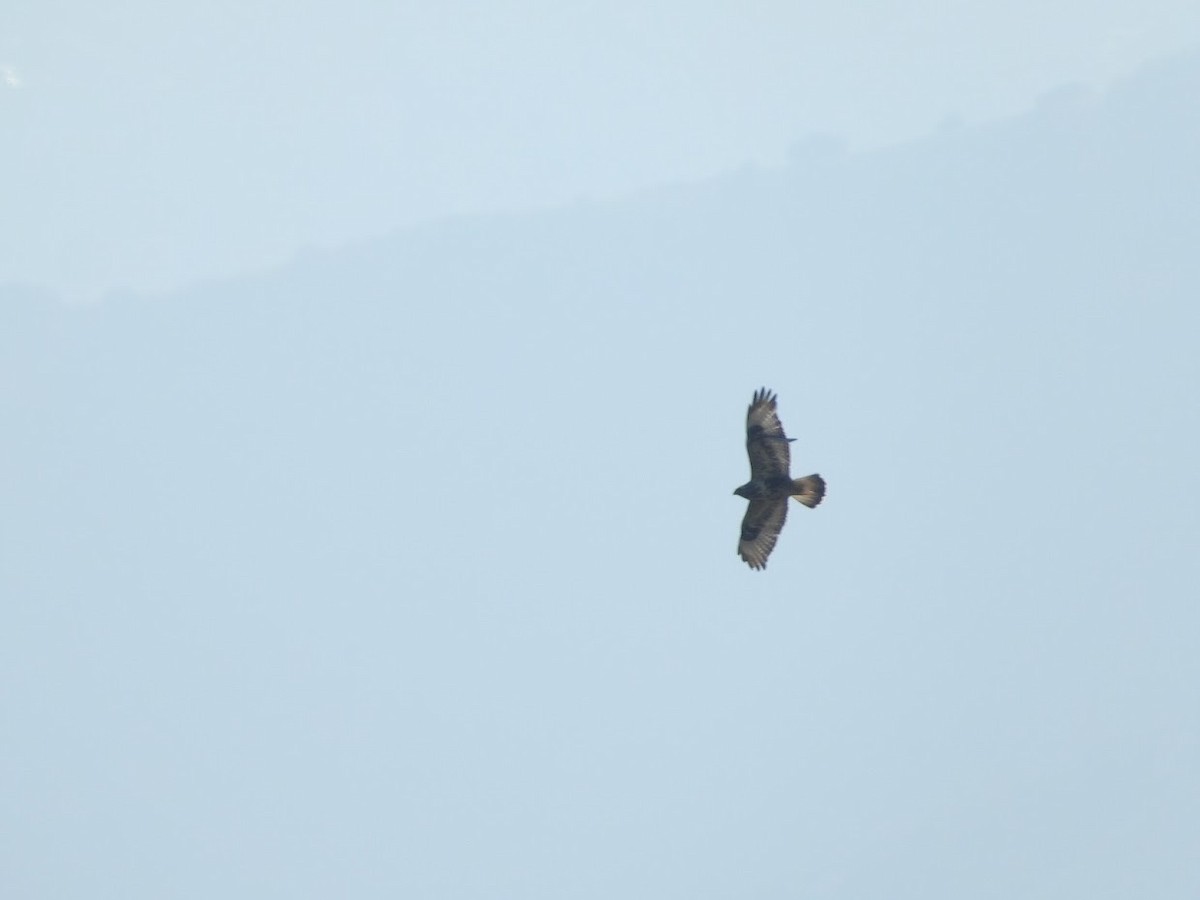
[988,177]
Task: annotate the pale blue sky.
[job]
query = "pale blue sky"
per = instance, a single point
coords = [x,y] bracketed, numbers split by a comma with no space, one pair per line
[407,568]
[148,145]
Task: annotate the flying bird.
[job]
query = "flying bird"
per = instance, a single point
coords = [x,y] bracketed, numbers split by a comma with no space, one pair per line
[770,483]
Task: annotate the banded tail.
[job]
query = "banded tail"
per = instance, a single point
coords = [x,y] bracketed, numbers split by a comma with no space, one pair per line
[809,490]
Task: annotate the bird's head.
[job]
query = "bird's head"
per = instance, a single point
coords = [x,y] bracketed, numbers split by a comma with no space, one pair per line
[746,490]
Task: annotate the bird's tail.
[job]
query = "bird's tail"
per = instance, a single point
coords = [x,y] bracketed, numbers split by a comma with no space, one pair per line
[809,490]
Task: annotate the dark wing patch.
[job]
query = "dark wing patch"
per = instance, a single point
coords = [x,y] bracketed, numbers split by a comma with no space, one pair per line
[760,530]
[766,444]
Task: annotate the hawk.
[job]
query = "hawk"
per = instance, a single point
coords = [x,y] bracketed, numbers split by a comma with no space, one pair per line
[770,483]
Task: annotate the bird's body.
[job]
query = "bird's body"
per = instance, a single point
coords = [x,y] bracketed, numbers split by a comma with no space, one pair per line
[771,483]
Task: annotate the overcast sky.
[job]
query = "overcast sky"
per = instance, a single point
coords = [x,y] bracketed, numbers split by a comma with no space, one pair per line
[147,145]
[407,569]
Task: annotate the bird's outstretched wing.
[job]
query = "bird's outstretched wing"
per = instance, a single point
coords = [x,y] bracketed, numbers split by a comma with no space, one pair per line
[766,444]
[760,529]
